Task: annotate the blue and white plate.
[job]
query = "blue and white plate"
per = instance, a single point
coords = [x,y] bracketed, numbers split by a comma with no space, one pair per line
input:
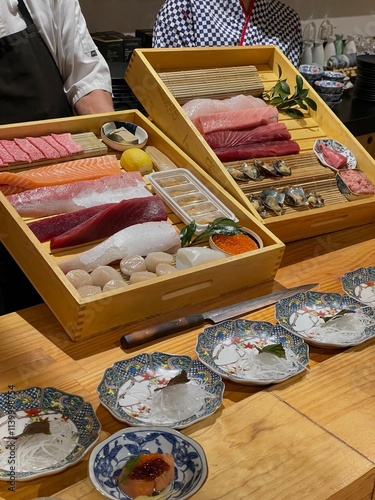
[225,348]
[339,148]
[302,313]
[109,457]
[20,408]
[127,387]
[360,284]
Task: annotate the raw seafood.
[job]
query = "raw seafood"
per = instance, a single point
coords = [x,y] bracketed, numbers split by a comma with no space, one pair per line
[45,229]
[198,107]
[140,239]
[264,133]
[59,173]
[333,158]
[88,290]
[147,474]
[114,285]
[236,120]
[102,274]
[79,277]
[74,196]
[112,219]
[132,264]
[140,276]
[154,258]
[194,256]
[357,181]
[246,151]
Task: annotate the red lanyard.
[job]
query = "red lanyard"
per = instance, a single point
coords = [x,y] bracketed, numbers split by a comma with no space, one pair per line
[248,15]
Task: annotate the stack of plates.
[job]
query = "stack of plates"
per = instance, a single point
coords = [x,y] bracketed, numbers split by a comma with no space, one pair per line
[364,87]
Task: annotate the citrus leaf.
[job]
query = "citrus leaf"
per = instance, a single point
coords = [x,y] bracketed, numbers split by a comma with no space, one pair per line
[276,349]
[312,104]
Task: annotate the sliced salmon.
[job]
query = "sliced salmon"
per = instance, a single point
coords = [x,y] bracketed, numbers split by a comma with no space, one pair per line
[153,473]
[59,173]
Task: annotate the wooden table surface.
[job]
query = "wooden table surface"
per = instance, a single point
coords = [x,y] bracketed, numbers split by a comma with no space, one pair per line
[311,437]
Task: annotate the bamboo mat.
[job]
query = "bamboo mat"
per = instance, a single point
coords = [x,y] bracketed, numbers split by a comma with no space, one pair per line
[211,83]
[307,172]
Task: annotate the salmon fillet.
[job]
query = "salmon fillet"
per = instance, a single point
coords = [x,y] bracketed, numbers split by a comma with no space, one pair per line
[153,473]
[59,173]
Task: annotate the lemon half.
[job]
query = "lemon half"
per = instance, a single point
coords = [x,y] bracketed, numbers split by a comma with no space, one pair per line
[134,159]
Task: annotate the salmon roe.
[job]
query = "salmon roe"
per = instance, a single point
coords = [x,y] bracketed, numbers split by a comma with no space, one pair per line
[234,244]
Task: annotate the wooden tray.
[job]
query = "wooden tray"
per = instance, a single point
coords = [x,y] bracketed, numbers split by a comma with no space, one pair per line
[144,74]
[85,317]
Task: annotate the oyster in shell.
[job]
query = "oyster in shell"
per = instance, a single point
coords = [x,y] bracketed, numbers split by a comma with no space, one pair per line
[282,168]
[295,196]
[257,204]
[253,172]
[237,174]
[273,200]
[314,199]
[266,168]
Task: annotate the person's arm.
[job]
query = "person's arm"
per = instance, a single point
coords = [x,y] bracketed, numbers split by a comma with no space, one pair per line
[97,101]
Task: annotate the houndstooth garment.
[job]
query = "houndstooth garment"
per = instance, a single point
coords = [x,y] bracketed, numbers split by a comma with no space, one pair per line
[194,23]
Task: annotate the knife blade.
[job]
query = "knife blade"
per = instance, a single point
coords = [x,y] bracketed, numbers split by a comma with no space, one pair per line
[137,338]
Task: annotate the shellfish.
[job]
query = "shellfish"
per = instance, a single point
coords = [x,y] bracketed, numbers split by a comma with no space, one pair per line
[257,204]
[237,174]
[252,172]
[295,196]
[267,168]
[273,200]
[282,168]
[315,200]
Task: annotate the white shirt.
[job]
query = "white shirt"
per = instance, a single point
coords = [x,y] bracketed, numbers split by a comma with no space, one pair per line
[63,28]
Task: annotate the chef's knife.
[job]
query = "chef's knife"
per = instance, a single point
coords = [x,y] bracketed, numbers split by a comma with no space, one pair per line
[215,316]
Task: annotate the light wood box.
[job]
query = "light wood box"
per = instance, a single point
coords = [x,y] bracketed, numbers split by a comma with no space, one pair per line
[86,317]
[143,76]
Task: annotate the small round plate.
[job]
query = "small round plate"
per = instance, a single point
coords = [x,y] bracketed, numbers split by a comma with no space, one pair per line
[339,148]
[20,408]
[360,284]
[303,312]
[224,348]
[127,387]
[109,457]
[109,127]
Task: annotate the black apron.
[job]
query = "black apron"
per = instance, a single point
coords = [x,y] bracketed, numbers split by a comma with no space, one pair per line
[31,87]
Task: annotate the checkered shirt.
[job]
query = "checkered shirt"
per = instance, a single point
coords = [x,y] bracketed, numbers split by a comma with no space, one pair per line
[196,23]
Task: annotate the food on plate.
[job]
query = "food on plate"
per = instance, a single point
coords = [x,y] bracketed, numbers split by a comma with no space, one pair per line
[154,258]
[357,181]
[194,256]
[146,474]
[205,106]
[59,173]
[234,244]
[135,159]
[159,159]
[132,264]
[263,133]
[333,158]
[111,220]
[51,200]
[236,120]
[89,290]
[257,150]
[163,269]
[114,284]
[139,276]
[139,239]
[102,274]
[79,278]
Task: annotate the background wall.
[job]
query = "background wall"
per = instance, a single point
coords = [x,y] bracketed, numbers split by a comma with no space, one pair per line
[357,17]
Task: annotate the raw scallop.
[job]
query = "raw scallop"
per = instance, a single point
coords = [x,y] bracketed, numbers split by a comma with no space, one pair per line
[132,264]
[89,290]
[102,274]
[79,277]
[114,285]
[139,276]
[163,269]
[155,258]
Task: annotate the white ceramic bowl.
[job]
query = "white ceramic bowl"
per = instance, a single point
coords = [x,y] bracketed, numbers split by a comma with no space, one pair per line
[139,133]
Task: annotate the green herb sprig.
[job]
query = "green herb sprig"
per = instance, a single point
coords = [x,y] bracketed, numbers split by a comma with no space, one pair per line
[221,225]
[280,97]
[276,349]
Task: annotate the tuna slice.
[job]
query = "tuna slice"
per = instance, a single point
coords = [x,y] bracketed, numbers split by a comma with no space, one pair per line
[236,120]
[261,150]
[112,219]
[333,158]
[264,133]
[74,196]
[140,239]
[199,107]
[45,229]
[59,173]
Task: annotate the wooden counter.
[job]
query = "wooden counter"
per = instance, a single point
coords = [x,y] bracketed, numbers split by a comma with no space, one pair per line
[308,438]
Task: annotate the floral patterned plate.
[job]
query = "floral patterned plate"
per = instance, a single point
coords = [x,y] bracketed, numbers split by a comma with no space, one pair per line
[360,284]
[339,148]
[302,313]
[127,387]
[225,348]
[35,404]
[109,457]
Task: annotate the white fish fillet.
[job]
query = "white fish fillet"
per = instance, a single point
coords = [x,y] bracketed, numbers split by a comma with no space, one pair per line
[65,198]
[140,239]
[198,107]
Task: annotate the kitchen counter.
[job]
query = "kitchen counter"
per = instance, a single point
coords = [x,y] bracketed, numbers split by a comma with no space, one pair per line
[309,438]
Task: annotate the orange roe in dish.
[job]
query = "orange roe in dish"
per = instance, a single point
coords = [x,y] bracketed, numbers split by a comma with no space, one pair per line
[234,244]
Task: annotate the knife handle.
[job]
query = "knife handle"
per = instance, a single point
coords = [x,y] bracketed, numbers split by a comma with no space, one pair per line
[135,339]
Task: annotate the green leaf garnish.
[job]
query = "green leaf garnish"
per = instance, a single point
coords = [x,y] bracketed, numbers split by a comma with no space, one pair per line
[129,467]
[337,315]
[221,225]
[276,349]
[279,96]
[181,378]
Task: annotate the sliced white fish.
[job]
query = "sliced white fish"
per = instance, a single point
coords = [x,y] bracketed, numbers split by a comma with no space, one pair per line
[140,239]
[193,256]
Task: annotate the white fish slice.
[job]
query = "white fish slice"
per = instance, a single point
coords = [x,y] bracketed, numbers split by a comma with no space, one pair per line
[140,239]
